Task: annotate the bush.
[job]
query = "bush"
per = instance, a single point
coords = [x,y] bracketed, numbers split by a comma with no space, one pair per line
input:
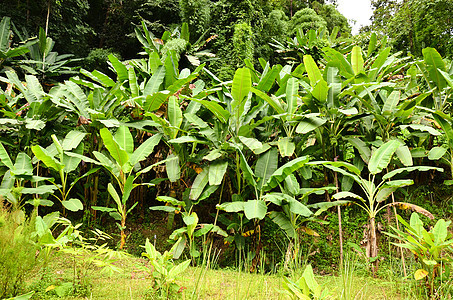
[17,251]
[306,19]
[97,60]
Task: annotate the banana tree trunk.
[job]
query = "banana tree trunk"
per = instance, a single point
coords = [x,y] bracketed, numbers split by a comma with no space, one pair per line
[94,197]
[373,245]
[340,227]
[123,234]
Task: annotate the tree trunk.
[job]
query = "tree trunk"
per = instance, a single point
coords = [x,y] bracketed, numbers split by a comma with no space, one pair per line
[373,245]
[398,227]
[104,28]
[340,227]
[47,17]
[123,234]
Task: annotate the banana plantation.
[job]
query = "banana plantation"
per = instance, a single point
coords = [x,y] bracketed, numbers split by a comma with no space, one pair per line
[302,165]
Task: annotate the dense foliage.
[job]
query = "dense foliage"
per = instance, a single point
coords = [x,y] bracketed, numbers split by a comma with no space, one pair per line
[273,132]
[415,24]
[84,26]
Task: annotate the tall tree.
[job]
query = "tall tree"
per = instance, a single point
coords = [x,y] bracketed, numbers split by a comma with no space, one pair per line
[306,19]
[332,17]
[226,14]
[290,7]
[415,24]
[196,13]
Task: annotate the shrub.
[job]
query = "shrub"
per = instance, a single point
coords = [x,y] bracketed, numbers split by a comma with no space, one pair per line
[97,59]
[17,251]
[432,249]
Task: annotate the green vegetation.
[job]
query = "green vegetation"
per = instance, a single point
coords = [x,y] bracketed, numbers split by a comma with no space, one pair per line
[245,151]
[17,251]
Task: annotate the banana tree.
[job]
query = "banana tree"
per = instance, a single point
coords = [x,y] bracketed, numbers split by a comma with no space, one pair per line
[437,76]
[430,248]
[100,105]
[192,230]
[18,180]
[376,68]
[25,110]
[250,119]
[443,80]
[189,54]
[344,93]
[266,176]
[333,116]
[310,43]
[111,99]
[444,153]
[376,190]
[124,166]
[58,158]
[97,106]
[385,109]
[42,62]
[7,51]
[235,122]
[292,218]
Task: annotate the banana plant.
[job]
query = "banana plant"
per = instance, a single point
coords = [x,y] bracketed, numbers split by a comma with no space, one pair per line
[7,51]
[305,288]
[184,131]
[376,190]
[355,69]
[124,166]
[293,217]
[350,89]
[444,152]
[286,102]
[192,230]
[332,117]
[394,110]
[164,271]
[275,91]
[58,157]
[186,53]
[25,109]
[266,176]
[18,180]
[100,106]
[385,109]
[310,43]
[227,122]
[245,114]
[161,71]
[389,113]
[44,63]
[438,78]
[143,92]
[109,99]
[429,248]
[443,121]
[267,162]
[97,106]
[351,94]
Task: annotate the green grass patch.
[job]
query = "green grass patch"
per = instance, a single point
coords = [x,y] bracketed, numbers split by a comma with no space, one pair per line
[200,283]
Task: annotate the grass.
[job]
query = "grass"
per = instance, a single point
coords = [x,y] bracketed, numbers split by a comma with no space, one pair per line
[134,283]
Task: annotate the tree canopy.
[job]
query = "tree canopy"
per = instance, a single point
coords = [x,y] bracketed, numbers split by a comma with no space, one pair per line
[415,24]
